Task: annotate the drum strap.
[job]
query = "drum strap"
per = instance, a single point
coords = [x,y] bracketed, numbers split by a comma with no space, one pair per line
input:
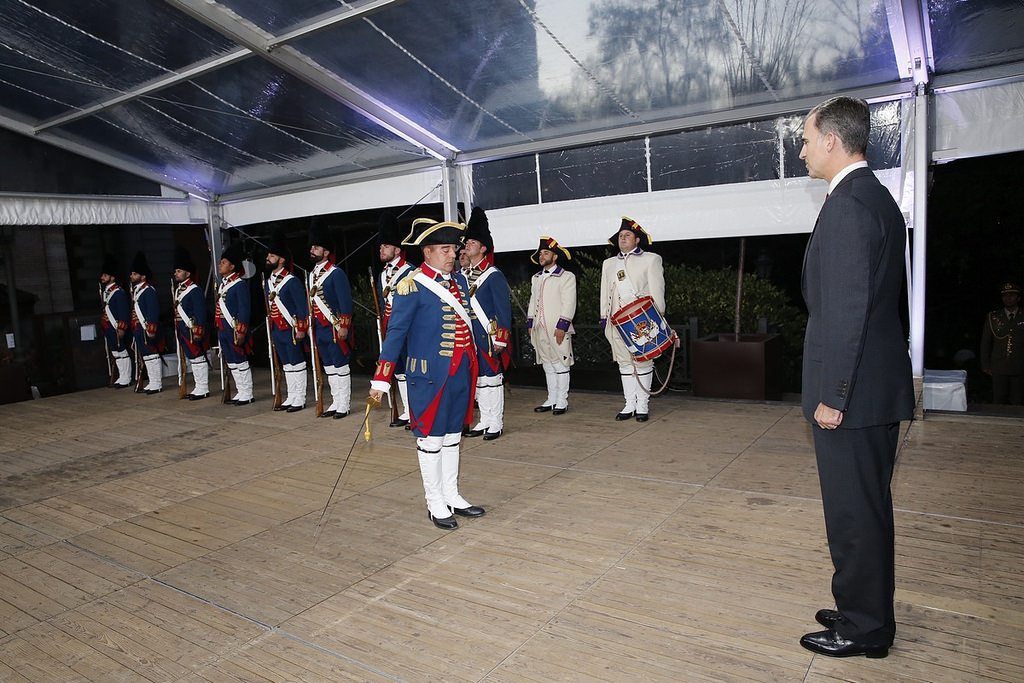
[627,292]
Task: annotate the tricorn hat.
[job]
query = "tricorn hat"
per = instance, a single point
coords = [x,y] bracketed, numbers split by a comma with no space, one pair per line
[320,234]
[478,228]
[235,255]
[388,231]
[141,266]
[278,243]
[550,244]
[109,266]
[426,231]
[1010,288]
[183,261]
[634,227]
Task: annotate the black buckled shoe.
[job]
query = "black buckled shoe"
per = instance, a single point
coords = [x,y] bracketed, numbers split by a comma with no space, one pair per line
[623,416]
[198,397]
[642,417]
[338,415]
[281,408]
[446,523]
[471,511]
[542,409]
[491,436]
[473,433]
[399,423]
[242,402]
[295,409]
[559,411]
[328,413]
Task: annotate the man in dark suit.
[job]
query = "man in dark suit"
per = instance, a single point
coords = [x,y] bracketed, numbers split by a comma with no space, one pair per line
[857,382]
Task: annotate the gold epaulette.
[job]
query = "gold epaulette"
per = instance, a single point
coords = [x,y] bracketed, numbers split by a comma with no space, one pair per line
[406,284]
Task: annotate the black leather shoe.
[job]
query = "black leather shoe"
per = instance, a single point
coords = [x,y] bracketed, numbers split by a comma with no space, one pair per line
[491,436]
[831,644]
[295,409]
[198,397]
[399,423]
[623,416]
[328,413]
[559,411]
[280,408]
[471,511]
[472,433]
[120,386]
[542,409]
[150,392]
[642,417]
[338,415]
[827,617]
[446,523]
[240,402]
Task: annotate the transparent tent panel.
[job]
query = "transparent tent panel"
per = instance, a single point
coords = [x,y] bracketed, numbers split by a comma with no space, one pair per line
[507,75]
[703,157]
[75,53]
[258,127]
[969,35]
[278,16]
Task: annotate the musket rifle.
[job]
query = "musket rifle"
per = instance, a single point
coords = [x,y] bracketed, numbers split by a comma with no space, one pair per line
[314,352]
[182,389]
[275,361]
[380,338]
[111,365]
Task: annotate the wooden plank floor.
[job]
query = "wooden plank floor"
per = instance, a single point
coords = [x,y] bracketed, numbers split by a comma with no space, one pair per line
[143,538]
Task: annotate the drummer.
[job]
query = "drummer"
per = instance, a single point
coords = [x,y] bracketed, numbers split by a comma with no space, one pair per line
[631,274]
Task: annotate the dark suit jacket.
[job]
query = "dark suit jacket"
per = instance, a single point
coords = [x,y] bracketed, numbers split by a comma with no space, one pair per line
[855,351]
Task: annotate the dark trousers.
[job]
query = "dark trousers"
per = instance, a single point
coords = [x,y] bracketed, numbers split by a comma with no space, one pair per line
[1007,389]
[855,470]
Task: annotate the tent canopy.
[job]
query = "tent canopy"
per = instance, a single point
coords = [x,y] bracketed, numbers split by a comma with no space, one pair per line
[238,99]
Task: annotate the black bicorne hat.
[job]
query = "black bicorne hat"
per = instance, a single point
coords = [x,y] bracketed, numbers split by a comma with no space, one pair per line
[426,231]
[550,244]
[478,228]
[634,227]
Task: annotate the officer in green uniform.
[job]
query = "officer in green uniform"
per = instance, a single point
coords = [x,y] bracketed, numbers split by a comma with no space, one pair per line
[1002,348]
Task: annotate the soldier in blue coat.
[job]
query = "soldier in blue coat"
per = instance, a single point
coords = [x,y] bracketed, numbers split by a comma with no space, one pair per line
[190,323]
[491,302]
[288,318]
[232,318]
[145,323]
[116,322]
[431,320]
[396,267]
[331,318]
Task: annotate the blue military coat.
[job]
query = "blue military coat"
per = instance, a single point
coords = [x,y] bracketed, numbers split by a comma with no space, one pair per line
[190,322]
[494,298]
[332,304]
[441,363]
[232,318]
[144,328]
[285,292]
[117,315]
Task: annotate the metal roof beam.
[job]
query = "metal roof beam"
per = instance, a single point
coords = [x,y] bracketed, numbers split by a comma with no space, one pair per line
[911,39]
[195,70]
[90,152]
[309,71]
[333,19]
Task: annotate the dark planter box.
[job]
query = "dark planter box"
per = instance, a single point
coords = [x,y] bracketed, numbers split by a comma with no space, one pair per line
[749,368]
